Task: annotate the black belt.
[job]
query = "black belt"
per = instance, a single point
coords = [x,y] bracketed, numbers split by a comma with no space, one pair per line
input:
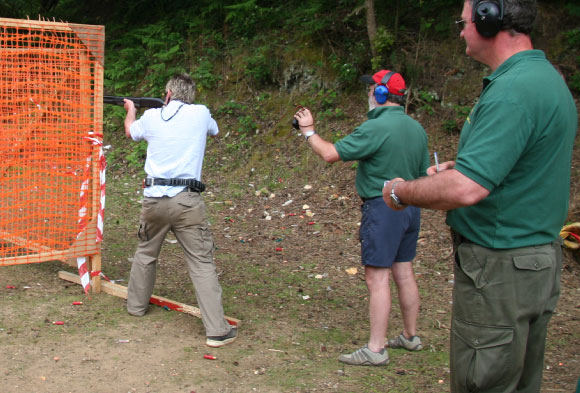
[192,184]
[368,199]
[458,238]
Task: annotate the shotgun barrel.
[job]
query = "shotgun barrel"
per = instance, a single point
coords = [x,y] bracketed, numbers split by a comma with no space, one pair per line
[140,102]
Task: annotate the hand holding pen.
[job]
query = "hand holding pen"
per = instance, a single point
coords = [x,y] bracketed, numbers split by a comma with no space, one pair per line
[439,167]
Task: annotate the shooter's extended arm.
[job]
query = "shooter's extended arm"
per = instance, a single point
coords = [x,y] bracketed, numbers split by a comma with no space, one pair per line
[140,102]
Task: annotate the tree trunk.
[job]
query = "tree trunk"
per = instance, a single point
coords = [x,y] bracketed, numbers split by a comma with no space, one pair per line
[371,24]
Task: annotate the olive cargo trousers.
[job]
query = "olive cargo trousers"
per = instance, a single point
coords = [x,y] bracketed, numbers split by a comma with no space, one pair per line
[184,215]
[502,303]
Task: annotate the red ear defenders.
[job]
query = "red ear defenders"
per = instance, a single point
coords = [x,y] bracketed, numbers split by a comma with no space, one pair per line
[381,90]
[488,17]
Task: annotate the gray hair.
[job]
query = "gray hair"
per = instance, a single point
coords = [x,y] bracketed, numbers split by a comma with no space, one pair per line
[182,88]
[395,99]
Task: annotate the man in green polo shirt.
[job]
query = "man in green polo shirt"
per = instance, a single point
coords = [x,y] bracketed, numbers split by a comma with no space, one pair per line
[507,194]
[388,144]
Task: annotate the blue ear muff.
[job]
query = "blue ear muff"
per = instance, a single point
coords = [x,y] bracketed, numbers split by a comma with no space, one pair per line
[381,94]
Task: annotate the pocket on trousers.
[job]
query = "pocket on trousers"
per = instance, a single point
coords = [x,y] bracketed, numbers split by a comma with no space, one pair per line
[472,265]
[191,209]
[482,354]
[533,262]
[142,233]
[206,245]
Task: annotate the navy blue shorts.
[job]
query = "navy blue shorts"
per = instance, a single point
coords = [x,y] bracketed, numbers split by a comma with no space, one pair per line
[388,235]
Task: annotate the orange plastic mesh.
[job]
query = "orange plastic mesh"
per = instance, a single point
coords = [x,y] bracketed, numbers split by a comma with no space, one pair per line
[51,77]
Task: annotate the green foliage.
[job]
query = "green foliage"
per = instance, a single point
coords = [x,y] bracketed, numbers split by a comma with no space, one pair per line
[245,121]
[383,42]
[17,8]
[573,8]
[246,18]
[427,100]
[246,125]
[231,108]
[572,38]
[260,67]
[426,24]
[136,157]
[345,71]
[203,74]
[462,111]
[574,81]
[336,114]
[145,58]
[450,126]
[327,99]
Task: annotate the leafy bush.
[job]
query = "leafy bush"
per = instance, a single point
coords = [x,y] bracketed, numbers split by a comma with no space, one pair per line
[260,68]
[145,58]
[573,40]
[204,76]
[136,157]
[346,71]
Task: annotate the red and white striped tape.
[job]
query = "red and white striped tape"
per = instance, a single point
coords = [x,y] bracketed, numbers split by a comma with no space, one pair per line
[83,210]
[101,215]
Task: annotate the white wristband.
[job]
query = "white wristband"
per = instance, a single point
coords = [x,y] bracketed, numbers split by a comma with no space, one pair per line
[308,134]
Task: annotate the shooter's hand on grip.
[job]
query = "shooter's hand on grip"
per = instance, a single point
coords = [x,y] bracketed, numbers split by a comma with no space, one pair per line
[129,105]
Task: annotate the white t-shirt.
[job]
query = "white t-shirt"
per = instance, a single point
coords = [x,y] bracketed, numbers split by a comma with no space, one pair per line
[176,136]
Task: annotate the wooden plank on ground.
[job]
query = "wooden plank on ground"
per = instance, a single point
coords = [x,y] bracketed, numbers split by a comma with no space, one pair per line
[121,291]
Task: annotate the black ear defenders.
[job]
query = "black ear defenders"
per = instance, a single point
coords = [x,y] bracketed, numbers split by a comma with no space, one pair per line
[488,17]
[382,91]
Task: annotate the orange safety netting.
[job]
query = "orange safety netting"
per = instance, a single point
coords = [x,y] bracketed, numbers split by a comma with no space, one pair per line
[51,78]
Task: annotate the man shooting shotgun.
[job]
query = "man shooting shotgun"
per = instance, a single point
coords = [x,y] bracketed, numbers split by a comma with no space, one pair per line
[176,135]
[140,102]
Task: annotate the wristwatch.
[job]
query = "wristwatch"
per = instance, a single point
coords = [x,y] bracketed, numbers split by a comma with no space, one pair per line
[308,134]
[394,198]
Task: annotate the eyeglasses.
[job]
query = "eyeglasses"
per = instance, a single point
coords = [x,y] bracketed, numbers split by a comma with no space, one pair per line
[461,23]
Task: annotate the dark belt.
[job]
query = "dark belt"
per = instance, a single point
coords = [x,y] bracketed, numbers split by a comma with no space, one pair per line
[368,199]
[192,184]
[458,238]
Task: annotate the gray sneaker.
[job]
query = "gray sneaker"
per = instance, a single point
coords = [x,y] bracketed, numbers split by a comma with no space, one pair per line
[365,357]
[411,344]
[220,341]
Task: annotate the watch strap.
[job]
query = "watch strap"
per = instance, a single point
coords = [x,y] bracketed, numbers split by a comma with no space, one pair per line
[394,196]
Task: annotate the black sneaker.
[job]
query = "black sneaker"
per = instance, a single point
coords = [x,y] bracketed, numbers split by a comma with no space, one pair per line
[220,341]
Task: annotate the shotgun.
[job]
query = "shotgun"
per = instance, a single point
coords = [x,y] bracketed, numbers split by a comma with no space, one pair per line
[140,102]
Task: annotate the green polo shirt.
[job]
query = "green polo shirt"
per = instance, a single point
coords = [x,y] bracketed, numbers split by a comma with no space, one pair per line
[517,143]
[389,144]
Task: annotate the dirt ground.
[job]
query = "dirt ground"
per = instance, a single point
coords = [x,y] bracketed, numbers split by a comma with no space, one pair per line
[290,278]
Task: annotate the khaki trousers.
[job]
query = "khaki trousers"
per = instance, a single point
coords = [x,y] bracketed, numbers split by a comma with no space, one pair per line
[502,303]
[184,215]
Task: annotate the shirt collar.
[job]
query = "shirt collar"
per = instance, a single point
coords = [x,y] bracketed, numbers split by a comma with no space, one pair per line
[383,109]
[510,62]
